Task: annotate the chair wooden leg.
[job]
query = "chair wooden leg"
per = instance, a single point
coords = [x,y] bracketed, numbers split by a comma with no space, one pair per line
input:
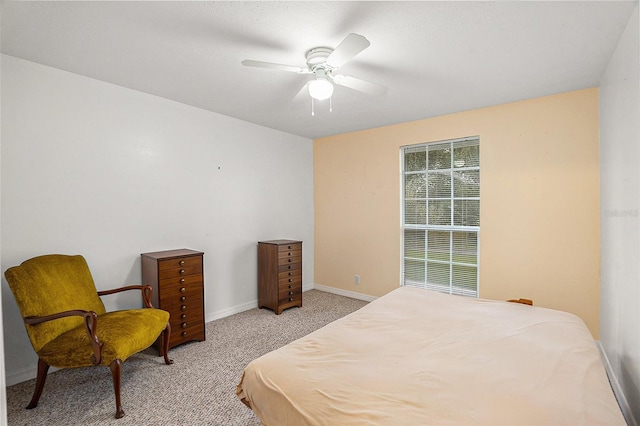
[43,368]
[116,373]
[166,334]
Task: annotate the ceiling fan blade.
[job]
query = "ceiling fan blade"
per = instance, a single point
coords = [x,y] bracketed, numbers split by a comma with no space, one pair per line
[347,49]
[359,85]
[272,66]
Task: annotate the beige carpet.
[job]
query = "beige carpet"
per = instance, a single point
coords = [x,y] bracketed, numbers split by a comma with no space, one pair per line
[198,389]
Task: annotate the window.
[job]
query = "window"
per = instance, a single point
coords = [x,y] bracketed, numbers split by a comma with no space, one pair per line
[441,216]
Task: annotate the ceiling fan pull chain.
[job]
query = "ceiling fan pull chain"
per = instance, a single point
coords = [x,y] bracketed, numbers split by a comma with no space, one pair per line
[330,104]
[312,112]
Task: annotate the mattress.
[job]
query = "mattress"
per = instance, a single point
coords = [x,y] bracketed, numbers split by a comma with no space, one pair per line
[418,357]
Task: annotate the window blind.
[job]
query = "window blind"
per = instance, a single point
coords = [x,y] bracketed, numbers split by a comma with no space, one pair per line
[441,216]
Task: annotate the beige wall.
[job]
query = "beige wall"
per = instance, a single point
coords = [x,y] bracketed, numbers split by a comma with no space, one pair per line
[539,188]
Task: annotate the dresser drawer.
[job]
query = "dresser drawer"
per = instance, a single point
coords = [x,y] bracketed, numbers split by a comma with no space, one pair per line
[289,260]
[186,319]
[290,273]
[181,281]
[183,262]
[186,311]
[290,267]
[175,294]
[290,253]
[286,292]
[290,299]
[181,335]
[173,268]
[289,247]
[291,281]
[178,304]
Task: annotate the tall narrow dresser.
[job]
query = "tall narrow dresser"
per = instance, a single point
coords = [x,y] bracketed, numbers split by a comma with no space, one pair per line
[279,274]
[177,280]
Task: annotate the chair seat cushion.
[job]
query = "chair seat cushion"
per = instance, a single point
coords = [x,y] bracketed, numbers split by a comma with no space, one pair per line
[123,334]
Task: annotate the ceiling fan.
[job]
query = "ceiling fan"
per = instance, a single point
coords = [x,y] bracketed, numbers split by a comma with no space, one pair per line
[322,62]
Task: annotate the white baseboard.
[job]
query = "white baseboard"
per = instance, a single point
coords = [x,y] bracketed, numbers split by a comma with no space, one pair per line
[617,389]
[242,307]
[346,293]
[231,311]
[26,374]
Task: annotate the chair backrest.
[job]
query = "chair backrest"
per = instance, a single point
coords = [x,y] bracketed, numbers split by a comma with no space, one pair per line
[49,284]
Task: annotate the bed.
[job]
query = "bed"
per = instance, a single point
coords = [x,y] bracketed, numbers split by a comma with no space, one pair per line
[418,357]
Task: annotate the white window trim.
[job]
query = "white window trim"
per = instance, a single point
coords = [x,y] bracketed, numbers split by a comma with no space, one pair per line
[449,228]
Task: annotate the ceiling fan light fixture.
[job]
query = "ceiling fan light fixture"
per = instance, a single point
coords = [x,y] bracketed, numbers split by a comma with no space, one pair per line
[323,62]
[320,89]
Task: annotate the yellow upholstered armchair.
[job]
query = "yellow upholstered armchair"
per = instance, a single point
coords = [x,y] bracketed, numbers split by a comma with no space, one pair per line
[68,325]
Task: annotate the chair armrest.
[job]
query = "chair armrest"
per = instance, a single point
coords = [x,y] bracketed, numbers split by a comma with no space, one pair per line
[145,289]
[33,320]
[90,323]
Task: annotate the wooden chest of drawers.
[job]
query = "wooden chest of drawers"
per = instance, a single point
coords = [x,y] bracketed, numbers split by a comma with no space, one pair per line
[177,279]
[279,274]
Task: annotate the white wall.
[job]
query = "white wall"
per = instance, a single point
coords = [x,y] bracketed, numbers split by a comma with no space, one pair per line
[107,172]
[619,104]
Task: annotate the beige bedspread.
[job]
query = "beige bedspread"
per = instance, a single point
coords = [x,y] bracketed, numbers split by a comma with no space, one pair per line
[417,357]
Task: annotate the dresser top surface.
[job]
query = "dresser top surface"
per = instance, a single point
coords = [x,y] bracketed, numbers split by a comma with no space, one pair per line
[172,253]
[280,242]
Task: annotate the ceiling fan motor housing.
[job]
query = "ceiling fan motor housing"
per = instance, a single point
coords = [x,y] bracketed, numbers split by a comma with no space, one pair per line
[317,56]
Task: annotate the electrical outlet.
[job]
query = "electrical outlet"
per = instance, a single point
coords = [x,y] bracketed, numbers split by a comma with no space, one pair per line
[356,279]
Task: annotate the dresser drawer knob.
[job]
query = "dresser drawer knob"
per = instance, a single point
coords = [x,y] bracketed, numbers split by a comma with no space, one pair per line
[183,298]
[183,316]
[290,280]
[181,262]
[290,293]
[289,266]
[181,280]
[289,247]
[181,271]
[290,274]
[289,254]
[290,286]
[183,289]
[290,300]
[184,333]
[184,325]
[183,308]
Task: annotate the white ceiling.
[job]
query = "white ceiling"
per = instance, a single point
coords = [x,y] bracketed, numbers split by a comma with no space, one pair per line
[434,57]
